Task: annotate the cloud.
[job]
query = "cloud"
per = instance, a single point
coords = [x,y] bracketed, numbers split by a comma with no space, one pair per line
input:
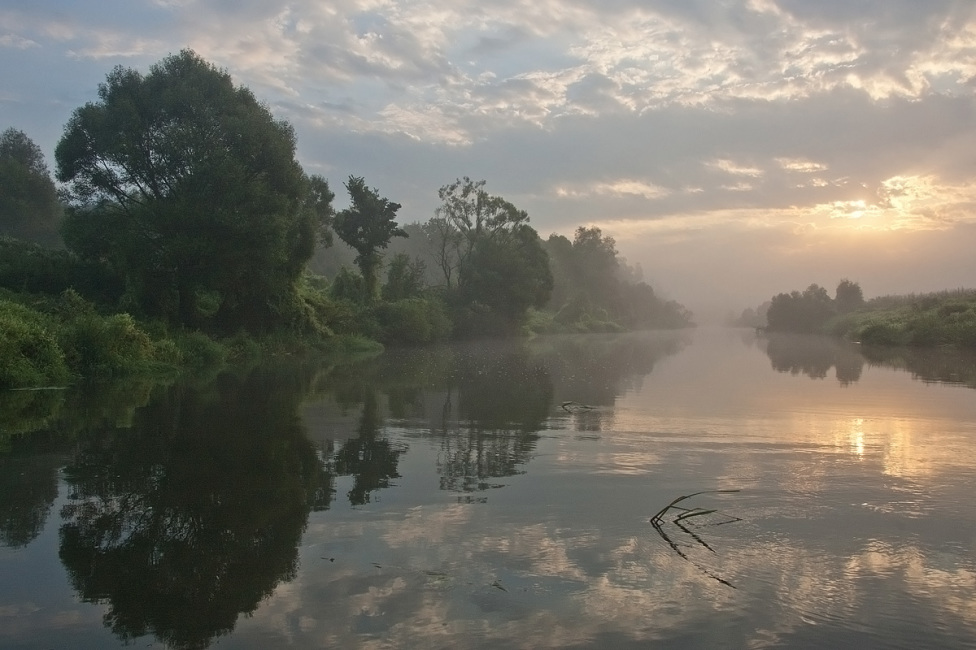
[17,42]
[801,165]
[730,167]
[618,188]
[633,113]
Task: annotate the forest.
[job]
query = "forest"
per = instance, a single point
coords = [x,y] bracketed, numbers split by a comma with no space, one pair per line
[183,232]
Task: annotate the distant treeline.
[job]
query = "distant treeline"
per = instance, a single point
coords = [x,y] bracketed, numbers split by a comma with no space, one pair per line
[930,319]
[183,216]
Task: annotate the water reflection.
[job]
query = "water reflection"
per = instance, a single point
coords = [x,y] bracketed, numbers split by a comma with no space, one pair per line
[354,505]
[193,515]
[942,365]
[814,356]
[28,488]
[485,404]
[369,457]
[38,431]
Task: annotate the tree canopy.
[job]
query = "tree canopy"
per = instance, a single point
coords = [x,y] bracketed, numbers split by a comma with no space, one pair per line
[466,216]
[508,273]
[29,204]
[810,310]
[595,289]
[368,225]
[189,188]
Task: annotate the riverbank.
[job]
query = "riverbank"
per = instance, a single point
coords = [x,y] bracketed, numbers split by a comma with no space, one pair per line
[919,320]
[47,341]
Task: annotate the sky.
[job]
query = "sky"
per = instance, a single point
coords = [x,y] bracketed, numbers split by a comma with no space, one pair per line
[734,149]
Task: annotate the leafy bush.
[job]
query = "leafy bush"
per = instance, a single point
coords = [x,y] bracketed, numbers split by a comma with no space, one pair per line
[28,267]
[349,285]
[412,321]
[96,346]
[29,352]
[200,351]
[880,333]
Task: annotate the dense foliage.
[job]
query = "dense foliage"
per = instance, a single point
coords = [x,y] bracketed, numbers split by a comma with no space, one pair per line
[594,290]
[190,228]
[368,225]
[29,205]
[810,310]
[189,188]
[944,318]
[933,319]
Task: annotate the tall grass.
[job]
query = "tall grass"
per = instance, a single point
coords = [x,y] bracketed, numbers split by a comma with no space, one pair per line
[923,320]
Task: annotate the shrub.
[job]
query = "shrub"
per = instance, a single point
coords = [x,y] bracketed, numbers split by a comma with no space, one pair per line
[412,321]
[28,267]
[29,353]
[96,346]
[881,333]
[200,351]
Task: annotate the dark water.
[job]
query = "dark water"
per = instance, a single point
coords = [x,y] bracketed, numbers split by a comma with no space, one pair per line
[444,498]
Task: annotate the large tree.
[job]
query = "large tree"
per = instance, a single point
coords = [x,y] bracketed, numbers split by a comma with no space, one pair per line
[467,215]
[507,273]
[189,187]
[800,312]
[29,205]
[368,225]
[848,296]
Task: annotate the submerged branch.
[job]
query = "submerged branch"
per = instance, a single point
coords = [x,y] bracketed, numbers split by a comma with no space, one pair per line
[658,522]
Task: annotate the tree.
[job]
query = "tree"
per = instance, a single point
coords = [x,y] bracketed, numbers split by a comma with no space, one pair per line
[800,312]
[189,187]
[848,296]
[467,215]
[368,225]
[405,278]
[29,204]
[319,202]
[508,273]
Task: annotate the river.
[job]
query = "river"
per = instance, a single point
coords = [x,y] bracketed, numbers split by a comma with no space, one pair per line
[701,489]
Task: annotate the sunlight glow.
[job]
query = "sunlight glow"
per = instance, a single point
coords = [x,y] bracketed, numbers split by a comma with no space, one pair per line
[731,167]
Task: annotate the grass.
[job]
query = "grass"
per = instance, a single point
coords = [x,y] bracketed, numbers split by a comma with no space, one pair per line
[946,318]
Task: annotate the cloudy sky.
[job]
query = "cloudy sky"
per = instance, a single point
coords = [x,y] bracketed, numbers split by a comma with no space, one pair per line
[733,148]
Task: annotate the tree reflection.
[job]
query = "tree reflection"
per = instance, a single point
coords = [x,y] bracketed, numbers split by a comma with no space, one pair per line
[38,430]
[484,403]
[598,369]
[494,406]
[194,515]
[814,356]
[28,488]
[944,365]
[369,457]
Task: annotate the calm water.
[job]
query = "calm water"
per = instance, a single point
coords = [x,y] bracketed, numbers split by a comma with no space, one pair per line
[444,498]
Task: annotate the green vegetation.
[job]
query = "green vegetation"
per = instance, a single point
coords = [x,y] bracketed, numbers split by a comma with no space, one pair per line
[923,320]
[29,205]
[191,234]
[946,318]
[368,225]
[189,189]
[596,291]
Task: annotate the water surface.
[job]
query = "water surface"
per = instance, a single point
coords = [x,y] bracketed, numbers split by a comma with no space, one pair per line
[450,497]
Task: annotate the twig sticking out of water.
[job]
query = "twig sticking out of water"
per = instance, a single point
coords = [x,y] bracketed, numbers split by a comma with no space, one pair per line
[658,522]
[671,505]
[571,406]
